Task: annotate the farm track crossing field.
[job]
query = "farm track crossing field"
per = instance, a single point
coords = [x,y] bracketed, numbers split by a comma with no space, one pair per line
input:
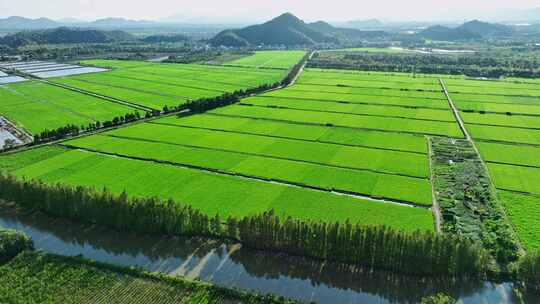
[344,120]
[359,109]
[37,106]
[270,59]
[229,195]
[524,212]
[158,85]
[322,134]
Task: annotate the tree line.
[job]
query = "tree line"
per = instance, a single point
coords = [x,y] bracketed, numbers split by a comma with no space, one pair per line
[417,253]
[73,130]
[469,65]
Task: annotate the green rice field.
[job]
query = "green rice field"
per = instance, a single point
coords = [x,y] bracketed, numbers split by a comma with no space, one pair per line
[155,85]
[37,106]
[230,195]
[503,118]
[343,120]
[524,212]
[270,59]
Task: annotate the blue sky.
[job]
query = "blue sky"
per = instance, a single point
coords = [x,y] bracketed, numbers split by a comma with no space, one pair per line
[335,10]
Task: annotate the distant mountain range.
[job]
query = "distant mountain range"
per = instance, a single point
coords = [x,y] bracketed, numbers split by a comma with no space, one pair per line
[289,30]
[22,23]
[76,35]
[471,30]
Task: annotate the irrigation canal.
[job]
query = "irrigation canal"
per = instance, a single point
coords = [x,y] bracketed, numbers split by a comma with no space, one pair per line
[232,265]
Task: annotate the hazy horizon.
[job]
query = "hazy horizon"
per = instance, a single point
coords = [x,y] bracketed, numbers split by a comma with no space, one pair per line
[248,11]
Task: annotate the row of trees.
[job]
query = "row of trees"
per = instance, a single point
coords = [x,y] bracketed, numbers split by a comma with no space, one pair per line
[470,65]
[72,130]
[12,243]
[295,70]
[419,253]
[529,270]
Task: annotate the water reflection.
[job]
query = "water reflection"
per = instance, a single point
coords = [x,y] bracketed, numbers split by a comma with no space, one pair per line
[232,265]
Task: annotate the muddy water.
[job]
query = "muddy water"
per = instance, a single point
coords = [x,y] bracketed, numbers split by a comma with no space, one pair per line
[232,265]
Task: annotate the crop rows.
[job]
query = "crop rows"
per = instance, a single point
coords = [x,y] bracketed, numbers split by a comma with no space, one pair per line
[159,85]
[214,193]
[322,134]
[344,120]
[508,141]
[44,278]
[351,108]
[37,106]
[270,59]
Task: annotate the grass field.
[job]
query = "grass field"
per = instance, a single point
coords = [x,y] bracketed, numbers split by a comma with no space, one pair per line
[270,59]
[45,278]
[37,106]
[228,196]
[156,85]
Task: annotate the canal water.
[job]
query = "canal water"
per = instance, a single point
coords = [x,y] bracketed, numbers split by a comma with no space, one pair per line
[231,265]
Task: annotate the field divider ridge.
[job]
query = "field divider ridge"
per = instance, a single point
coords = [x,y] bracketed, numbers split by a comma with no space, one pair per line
[456,113]
[267,156]
[250,177]
[131,89]
[167,83]
[360,87]
[100,96]
[288,138]
[326,125]
[241,103]
[436,209]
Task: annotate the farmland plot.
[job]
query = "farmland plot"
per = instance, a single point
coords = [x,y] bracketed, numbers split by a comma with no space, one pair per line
[37,106]
[270,59]
[228,196]
[344,120]
[359,109]
[158,85]
[322,134]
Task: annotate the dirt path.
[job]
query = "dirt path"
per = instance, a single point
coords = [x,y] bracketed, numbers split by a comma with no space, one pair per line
[455,110]
[437,215]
